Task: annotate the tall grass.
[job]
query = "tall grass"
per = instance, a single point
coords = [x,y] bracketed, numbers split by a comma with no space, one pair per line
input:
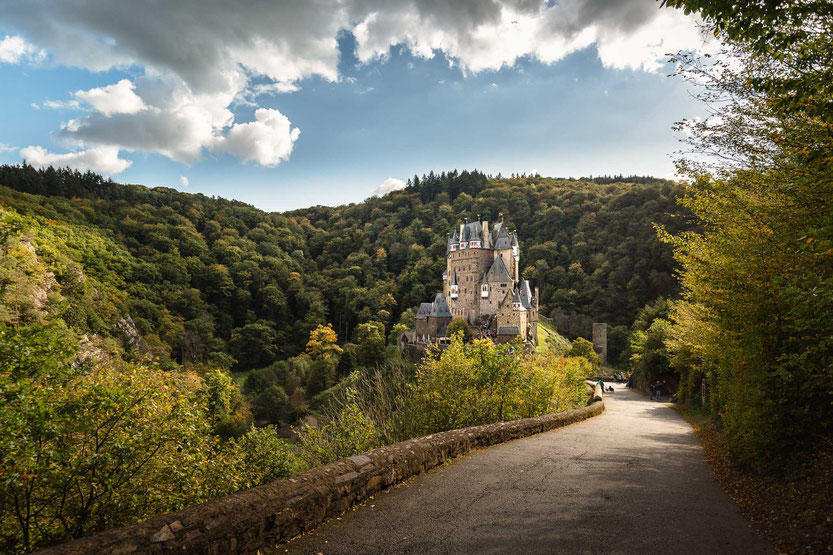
[467,384]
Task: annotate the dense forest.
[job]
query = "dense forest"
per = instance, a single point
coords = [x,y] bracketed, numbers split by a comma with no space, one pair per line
[190,279]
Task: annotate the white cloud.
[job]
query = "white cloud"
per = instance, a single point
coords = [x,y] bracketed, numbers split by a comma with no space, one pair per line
[7,148]
[117,98]
[387,186]
[14,50]
[183,181]
[58,105]
[105,159]
[200,58]
[268,140]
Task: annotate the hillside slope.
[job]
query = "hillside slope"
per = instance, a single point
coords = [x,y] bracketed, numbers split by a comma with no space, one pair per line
[206,278]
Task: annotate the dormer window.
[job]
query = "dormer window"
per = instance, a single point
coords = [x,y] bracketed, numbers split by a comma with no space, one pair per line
[515,252]
[484,290]
[454,291]
[463,245]
[474,244]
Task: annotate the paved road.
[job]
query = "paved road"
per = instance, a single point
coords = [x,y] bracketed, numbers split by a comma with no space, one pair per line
[632,480]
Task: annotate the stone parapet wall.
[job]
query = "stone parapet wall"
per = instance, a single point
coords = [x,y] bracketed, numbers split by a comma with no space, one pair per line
[265,516]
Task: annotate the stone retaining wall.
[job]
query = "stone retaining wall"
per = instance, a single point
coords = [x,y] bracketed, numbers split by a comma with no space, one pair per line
[268,515]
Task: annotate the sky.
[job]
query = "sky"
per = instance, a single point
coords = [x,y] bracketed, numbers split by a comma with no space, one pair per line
[297,103]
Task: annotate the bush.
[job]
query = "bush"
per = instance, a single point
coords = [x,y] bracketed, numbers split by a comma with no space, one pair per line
[584,349]
[458,325]
[263,457]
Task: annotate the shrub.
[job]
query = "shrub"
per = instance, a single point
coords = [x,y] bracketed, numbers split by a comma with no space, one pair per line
[584,349]
[263,457]
[458,325]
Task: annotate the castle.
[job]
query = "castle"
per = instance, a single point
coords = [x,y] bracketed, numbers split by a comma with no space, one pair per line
[481,285]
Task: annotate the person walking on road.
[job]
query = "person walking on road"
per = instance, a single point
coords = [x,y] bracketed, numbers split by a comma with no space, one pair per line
[602,385]
[658,389]
[651,396]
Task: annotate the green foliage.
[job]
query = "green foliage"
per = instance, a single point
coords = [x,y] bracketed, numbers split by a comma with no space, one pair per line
[791,39]
[394,333]
[226,410]
[263,457]
[459,326]
[271,404]
[479,382]
[646,353]
[584,349]
[465,385]
[346,364]
[758,277]
[370,348]
[89,447]
[321,376]
[348,434]
[549,340]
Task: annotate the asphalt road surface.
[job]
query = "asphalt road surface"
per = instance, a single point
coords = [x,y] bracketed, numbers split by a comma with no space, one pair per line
[633,480]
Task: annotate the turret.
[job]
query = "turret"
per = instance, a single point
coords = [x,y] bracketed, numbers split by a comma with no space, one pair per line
[516,301]
[453,244]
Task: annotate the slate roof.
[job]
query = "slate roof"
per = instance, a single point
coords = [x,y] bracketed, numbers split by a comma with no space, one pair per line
[502,241]
[423,311]
[517,299]
[472,232]
[454,278]
[495,231]
[453,240]
[527,300]
[498,272]
[508,330]
[514,239]
[439,308]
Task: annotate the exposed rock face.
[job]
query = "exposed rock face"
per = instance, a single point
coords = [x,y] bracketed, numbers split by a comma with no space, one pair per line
[259,518]
[41,287]
[133,338]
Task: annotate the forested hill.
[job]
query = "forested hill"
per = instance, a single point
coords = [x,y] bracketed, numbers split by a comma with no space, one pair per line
[203,278]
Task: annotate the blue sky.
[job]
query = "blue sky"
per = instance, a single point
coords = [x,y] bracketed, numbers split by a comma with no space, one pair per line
[367,97]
